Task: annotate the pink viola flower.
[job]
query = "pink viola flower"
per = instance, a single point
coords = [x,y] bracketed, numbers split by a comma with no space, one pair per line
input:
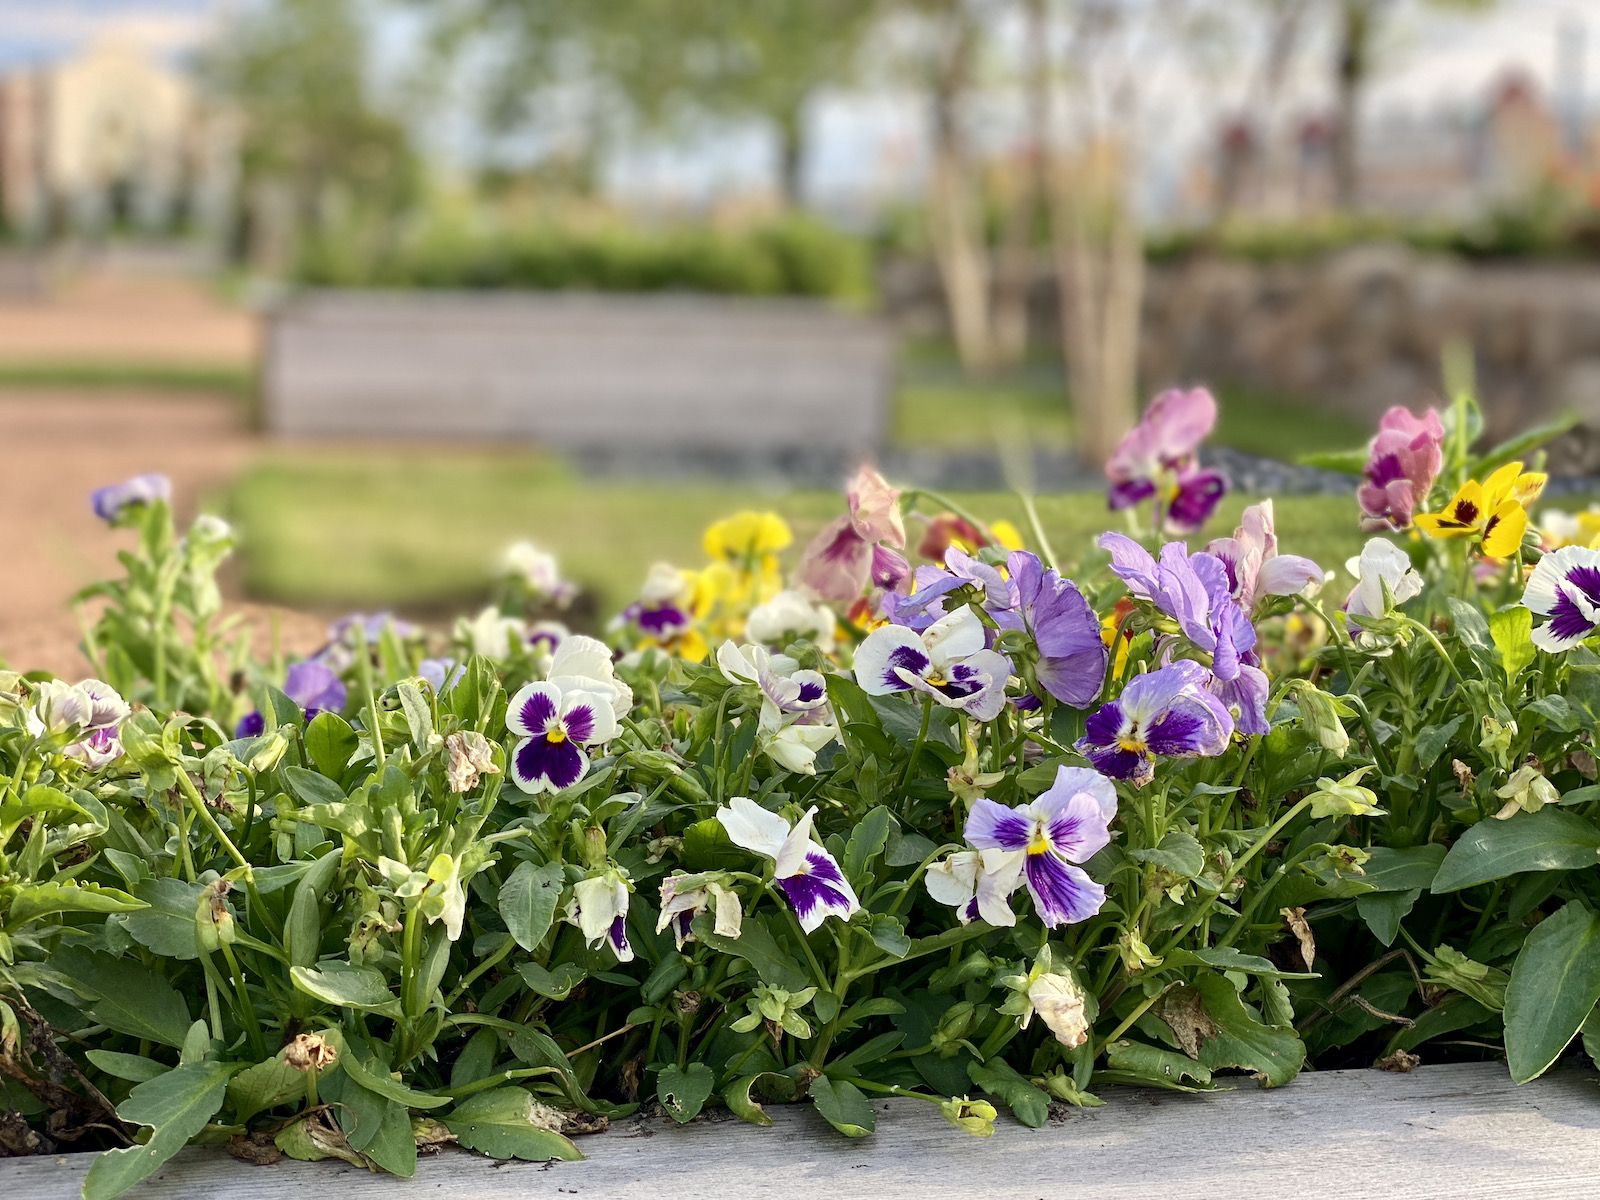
[1255,568]
[1402,463]
[861,549]
[1157,460]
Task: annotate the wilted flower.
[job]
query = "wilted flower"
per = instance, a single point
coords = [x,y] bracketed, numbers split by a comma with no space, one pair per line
[1052,991]
[1494,513]
[976,1117]
[309,1052]
[789,615]
[965,780]
[555,721]
[111,502]
[1168,712]
[683,897]
[1565,586]
[861,548]
[1344,797]
[947,662]
[1382,566]
[806,873]
[1157,460]
[468,756]
[312,685]
[1065,826]
[1402,463]
[599,908]
[1526,791]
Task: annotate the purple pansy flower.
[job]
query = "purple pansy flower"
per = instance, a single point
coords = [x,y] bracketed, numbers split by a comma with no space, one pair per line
[1254,566]
[1065,826]
[1402,463]
[1565,586]
[807,874]
[312,685]
[861,548]
[947,661]
[555,722]
[1167,712]
[110,502]
[441,673]
[1072,654]
[926,603]
[1157,460]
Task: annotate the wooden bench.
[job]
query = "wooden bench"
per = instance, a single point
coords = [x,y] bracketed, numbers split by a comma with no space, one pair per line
[579,371]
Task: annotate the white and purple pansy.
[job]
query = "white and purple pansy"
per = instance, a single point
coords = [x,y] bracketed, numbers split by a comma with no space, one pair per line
[683,897]
[555,723]
[1065,826]
[599,908]
[1168,712]
[978,884]
[946,661]
[796,721]
[807,874]
[583,663]
[1565,586]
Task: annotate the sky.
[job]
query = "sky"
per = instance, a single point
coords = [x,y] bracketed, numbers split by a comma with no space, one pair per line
[865,144]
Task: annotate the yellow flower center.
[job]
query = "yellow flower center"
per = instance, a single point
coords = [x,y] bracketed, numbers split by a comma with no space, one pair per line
[1037,844]
[556,736]
[1131,744]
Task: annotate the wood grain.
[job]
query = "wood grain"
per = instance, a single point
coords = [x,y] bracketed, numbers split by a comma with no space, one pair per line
[1447,1131]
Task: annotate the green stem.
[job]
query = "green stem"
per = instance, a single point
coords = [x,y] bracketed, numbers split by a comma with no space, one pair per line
[922,740]
[1128,1021]
[364,669]
[203,811]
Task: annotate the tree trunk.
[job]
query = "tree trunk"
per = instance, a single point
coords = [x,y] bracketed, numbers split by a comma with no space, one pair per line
[1014,268]
[1352,65]
[792,147]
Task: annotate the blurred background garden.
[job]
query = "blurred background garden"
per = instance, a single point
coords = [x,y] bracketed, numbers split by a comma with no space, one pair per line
[393,283]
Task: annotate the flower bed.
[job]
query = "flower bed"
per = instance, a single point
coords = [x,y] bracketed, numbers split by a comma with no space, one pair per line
[967,832]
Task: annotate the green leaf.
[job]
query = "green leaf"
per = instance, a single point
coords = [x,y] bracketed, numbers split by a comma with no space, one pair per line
[126,995]
[302,931]
[419,714]
[177,1105]
[1432,739]
[841,1104]
[37,899]
[1178,853]
[502,1124]
[313,788]
[1554,986]
[378,1081]
[1274,1053]
[707,847]
[853,705]
[1512,631]
[1547,840]
[742,1104]
[889,935]
[1227,958]
[1389,870]
[1591,1036]
[867,841]
[166,925]
[1472,629]
[1162,1067]
[338,983]
[392,1145]
[1520,445]
[330,741]
[1027,1103]
[528,900]
[683,1091]
[1455,1011]
[870,1051]
[133,1067]
[555,985]
[1346,462]
[1383,911]
[266,1085]
[755,944]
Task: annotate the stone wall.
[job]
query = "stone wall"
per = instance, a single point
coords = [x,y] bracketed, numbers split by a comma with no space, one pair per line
[1358,330]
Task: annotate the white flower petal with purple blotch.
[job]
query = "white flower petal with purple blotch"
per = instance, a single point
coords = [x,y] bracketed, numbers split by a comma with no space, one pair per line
[555,724]
[884,654]
[1565,586]
[806,873]
[599,908]
[817,890]
[753,827]
[978,884]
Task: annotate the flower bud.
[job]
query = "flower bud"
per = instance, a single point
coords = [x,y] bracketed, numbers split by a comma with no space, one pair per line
[213,921]
[1319,716]
[958,1021]
[970,1116]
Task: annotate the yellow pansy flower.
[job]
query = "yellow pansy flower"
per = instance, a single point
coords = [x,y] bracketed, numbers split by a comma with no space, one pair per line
[747,535]
[1492,512]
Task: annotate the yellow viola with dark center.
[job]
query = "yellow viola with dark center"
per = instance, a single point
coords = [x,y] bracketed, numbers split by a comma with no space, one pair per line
[1492,512]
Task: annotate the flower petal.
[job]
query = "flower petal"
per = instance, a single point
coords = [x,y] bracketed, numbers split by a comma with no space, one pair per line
[532,709]
[994,826]
[883,654]
[753,827]
[1062,893]
[819,891]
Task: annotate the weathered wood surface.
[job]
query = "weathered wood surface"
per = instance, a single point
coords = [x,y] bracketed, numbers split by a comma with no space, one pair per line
[579,371]
[1448,1131]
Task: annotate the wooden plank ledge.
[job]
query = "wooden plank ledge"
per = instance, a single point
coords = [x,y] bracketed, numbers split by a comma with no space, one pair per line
[1446,1131]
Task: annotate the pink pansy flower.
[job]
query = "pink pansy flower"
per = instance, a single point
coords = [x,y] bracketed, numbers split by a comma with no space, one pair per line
[1255,568]
[1402,463]
[860,549]
[1157,460]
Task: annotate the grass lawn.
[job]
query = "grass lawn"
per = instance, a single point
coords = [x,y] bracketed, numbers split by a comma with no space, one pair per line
[420,529]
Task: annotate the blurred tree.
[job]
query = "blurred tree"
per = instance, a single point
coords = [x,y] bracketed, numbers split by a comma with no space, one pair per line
[661,63]
[315,150]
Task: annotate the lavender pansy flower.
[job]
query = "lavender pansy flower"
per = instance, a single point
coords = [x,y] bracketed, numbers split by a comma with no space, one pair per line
[947,661]
[1167,712]
[978,884]
[109,503]
[861,548]
[312,685]
[1072,654]
[442,674]
[599,908]
[1403,460]
[1157,460]
[1565,586]
[807,874]
[1255,568]
[1192,589]
[1065,826]
[926,603]
[93,707]
[555,722]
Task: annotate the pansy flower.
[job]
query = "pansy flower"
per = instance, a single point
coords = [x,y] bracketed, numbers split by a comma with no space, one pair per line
[1168,712]
[1565,586]
[931,585]
[978,883]
[1402,462]
[599,908]
[683,897]
[1255,568]
[1157,460]
[806,873]
[1072,654]
[1494,512]
[661,614]
[1065,826]
[796,721]
[312,685]
[538,572]
[555,723]
[861,548]
[947,661]
[789,615]
[109,503]
[1381,566]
